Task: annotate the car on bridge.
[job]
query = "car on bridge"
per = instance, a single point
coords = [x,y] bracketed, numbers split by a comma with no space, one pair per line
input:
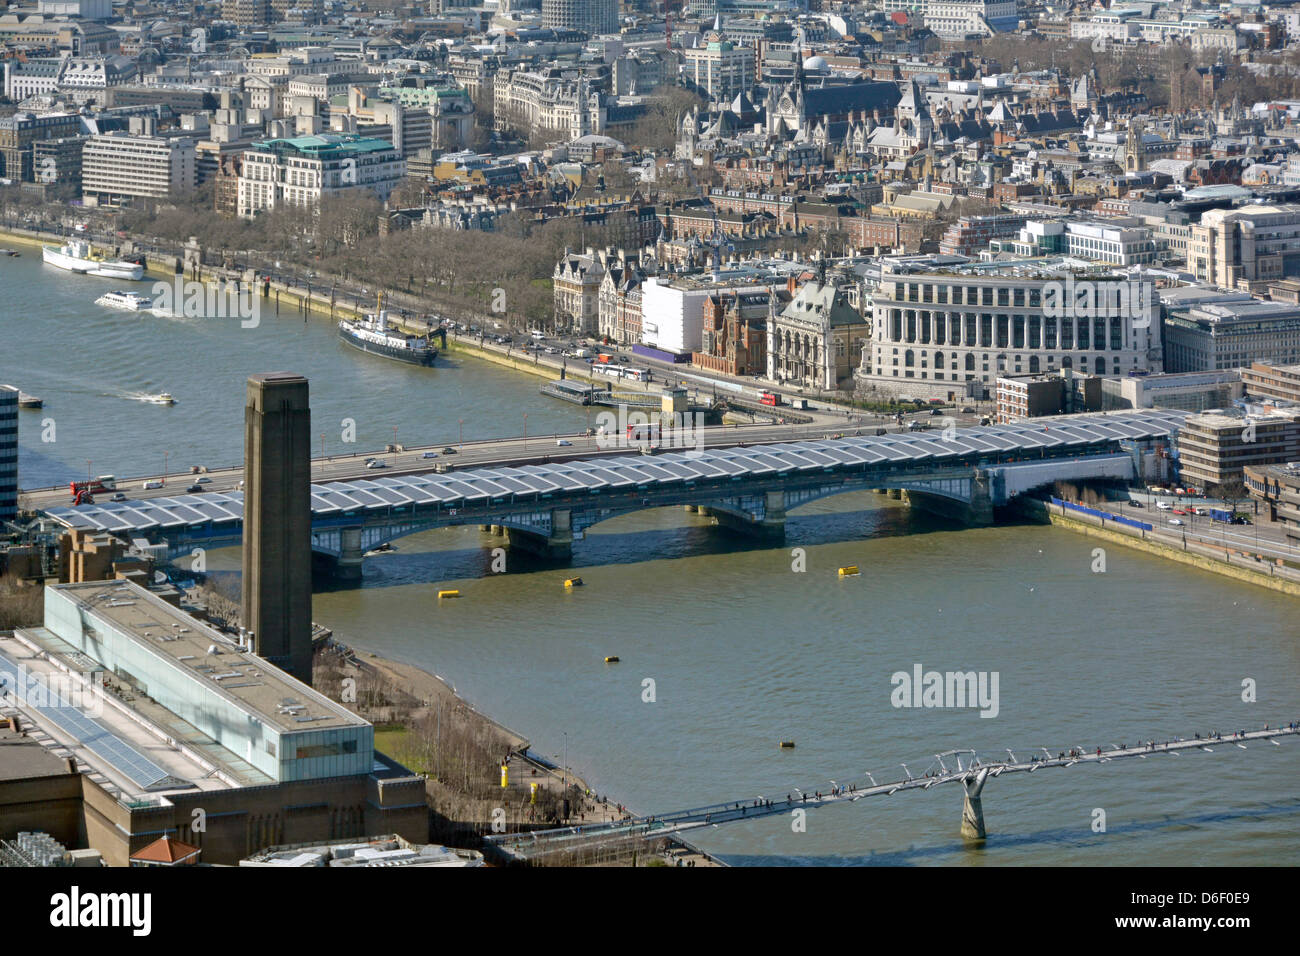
[560,442]
[1177,521]
[430,454]
[449,450]
[376,463]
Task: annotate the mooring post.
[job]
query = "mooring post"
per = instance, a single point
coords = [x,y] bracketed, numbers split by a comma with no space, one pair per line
[972,811]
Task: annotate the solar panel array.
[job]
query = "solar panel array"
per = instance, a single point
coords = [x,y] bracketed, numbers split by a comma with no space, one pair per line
[87,731]
[481,485]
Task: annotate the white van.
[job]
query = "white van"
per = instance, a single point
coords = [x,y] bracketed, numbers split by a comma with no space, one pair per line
[1164,506]
[152,484]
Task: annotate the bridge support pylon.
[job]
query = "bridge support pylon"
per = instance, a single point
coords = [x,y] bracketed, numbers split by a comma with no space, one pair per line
[556,546]
[769,527]
[972,809]
[347,567]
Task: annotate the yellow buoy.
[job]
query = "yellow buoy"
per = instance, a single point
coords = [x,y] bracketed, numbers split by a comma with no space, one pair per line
[573,582]
[448,594]
[851,570]
[532,792]
[505,776]
[787,745]
[612,659]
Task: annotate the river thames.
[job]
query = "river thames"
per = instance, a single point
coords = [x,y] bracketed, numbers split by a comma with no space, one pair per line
[743,650]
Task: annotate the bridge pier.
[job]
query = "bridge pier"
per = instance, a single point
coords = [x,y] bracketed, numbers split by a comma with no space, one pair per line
[770,527]
[972,810]
[347,566]
[975,513]
[556,546]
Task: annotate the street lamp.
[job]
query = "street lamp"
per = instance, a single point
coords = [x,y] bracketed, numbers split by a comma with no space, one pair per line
[525,431]
[461,423]
[394,444]
[164,474]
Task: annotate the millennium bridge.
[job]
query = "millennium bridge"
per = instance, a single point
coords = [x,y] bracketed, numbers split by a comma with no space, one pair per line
[971,769]
[543,508]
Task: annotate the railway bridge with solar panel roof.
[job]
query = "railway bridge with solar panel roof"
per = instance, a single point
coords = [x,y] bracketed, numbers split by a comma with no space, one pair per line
[545,508]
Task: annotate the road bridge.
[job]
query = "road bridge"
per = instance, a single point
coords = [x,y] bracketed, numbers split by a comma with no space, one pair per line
[544,508]
[968,768]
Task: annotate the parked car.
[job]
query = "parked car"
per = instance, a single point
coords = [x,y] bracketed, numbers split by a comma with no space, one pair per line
[936,411]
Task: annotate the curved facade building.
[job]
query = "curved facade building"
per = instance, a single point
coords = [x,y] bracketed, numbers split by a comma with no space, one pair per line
[935,330]
[589,16]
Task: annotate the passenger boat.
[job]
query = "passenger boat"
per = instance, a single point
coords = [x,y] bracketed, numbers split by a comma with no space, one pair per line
[128,301]
[76,255]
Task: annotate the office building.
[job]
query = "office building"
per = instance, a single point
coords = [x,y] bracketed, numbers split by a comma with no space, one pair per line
[720,68]
[1031,396]
[8,452]
[1213,448]
[588,16]
[1250,244]
[277,520]
[940,332]
[1277,489]
[306,169]
[1226,335]
[1190,391]
[21,132]
[118,167]
[1267,382]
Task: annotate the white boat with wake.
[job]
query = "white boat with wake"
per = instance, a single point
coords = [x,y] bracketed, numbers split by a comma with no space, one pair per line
[128,301]
[162,398]
[76,255]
